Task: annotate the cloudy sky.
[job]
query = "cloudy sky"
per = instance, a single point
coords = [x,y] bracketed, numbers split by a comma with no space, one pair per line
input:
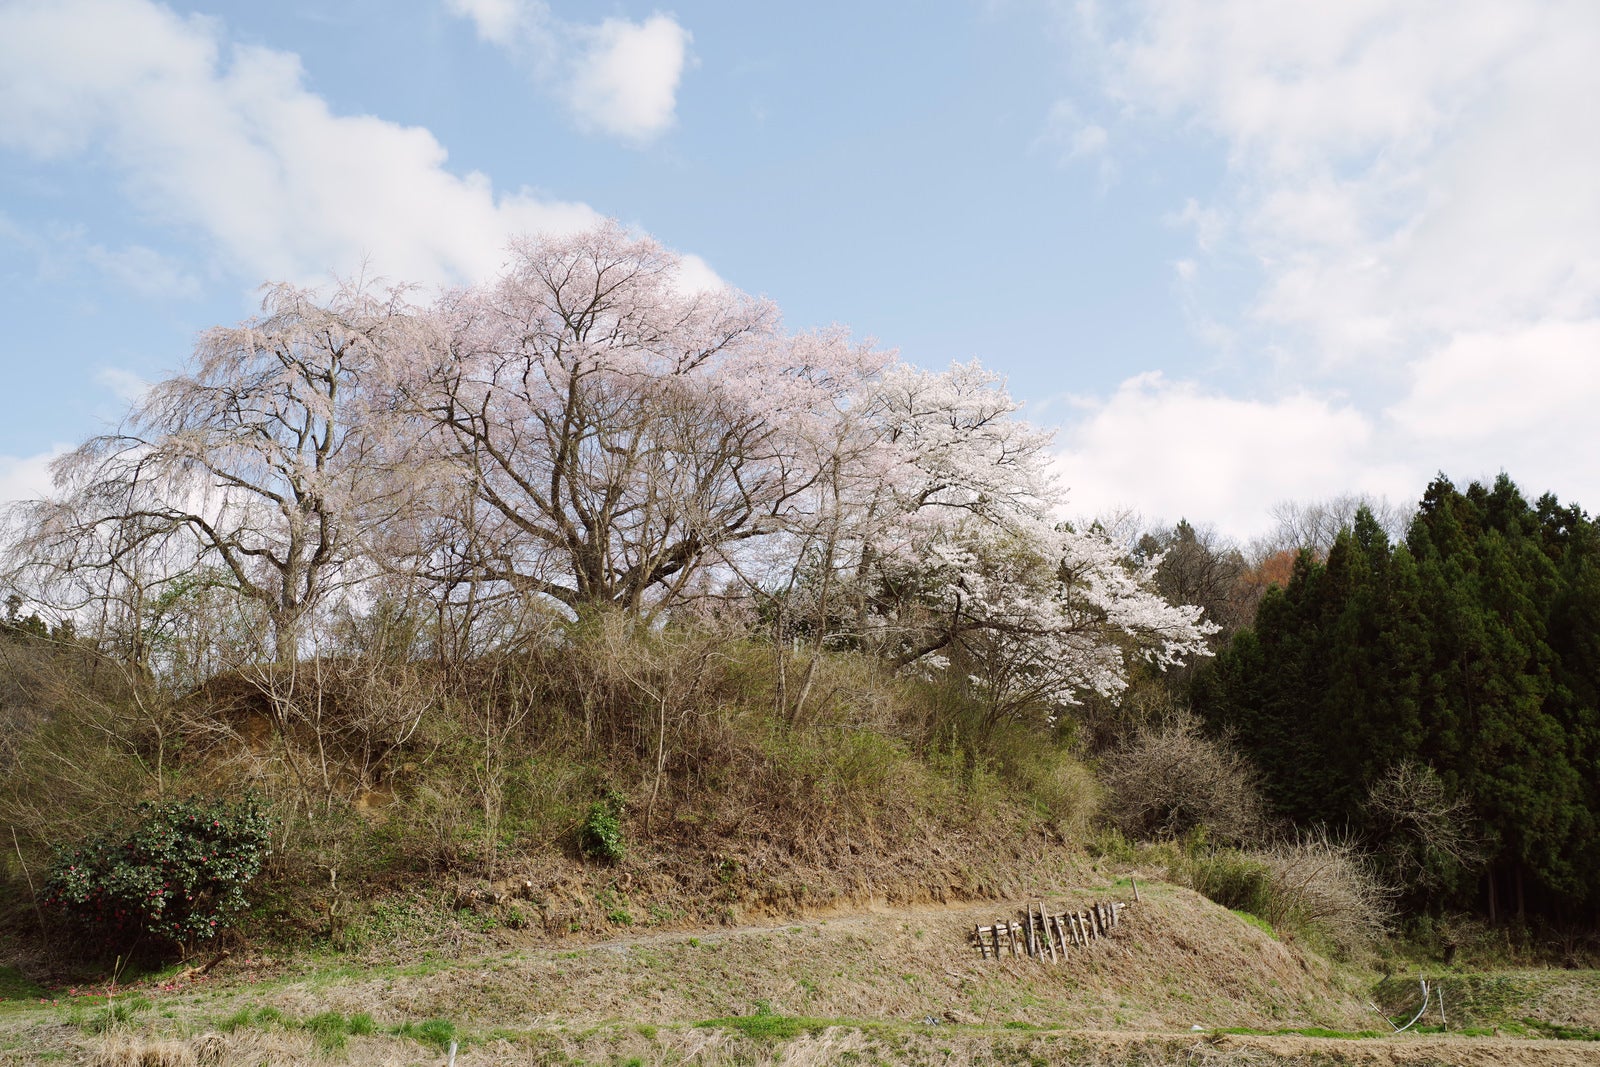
[1235,251]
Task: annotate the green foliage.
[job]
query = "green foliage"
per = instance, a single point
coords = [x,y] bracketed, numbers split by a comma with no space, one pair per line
[435,1032]
[1045,774]
[600,835]
[117,1014]
[179,873]
[389,920]
[1233,879]
[1467,654]
[765,1025]
[329,1030]
[1258,922]
[842,779]
[1307,1031]
[1315,887]
[236,1020]
[615,906]
[1541,1028]
[1524,1003]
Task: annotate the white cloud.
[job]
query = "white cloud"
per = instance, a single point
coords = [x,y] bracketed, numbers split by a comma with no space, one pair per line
[1072,137]
[696,276]
[1522,401]
[25,477]
[626,81]
[497,21]
[230,141]
[1174,449]
[1413,186]
[128,386]
[617,77]
[145,271]
[1399,171]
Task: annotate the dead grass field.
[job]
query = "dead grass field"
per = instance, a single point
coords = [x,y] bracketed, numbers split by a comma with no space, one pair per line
[884,984]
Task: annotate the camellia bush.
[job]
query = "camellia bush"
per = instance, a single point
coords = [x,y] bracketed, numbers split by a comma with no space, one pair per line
[179,874]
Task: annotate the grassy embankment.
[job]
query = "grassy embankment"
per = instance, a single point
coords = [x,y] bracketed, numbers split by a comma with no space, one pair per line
[892,984]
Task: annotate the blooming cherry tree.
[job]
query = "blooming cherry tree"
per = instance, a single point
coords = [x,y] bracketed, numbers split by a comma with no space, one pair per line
[614,433]
[267,462]
[972,568]
[587,432]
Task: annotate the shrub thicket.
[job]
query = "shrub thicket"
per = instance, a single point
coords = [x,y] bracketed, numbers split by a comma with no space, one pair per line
[1320,887]
[178,874]
[485,766]
[1170,779]
[600,837]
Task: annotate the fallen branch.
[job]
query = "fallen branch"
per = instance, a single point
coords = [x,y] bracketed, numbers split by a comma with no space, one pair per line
[196,972]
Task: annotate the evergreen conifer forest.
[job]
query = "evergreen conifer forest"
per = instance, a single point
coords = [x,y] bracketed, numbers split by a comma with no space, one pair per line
[1450,671]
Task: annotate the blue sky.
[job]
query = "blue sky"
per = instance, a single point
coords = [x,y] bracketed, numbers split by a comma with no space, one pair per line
[1236,252]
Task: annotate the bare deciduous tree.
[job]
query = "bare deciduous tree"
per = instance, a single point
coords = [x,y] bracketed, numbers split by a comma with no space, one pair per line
[1202,567]
[1427,834]
[1312,525]
[1169,778]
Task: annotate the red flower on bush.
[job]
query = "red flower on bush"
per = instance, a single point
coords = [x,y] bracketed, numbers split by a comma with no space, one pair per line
[118,886]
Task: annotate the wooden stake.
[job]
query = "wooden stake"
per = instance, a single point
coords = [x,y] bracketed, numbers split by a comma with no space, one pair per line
[995,930]
[1055,924]
[1044,926]
[1135,883]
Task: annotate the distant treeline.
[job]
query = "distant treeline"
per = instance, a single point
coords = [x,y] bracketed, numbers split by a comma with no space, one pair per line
[1461,664]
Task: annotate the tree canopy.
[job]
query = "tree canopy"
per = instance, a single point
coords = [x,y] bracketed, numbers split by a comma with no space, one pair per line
[583,434]
[1465,653]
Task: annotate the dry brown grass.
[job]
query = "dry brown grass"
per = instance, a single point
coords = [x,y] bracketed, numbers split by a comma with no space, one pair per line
[945,1046]
[863,984]
[1176,960]
[130,1050]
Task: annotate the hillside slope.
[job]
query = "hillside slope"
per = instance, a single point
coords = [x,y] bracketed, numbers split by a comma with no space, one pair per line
[895,984]
[1175,960]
